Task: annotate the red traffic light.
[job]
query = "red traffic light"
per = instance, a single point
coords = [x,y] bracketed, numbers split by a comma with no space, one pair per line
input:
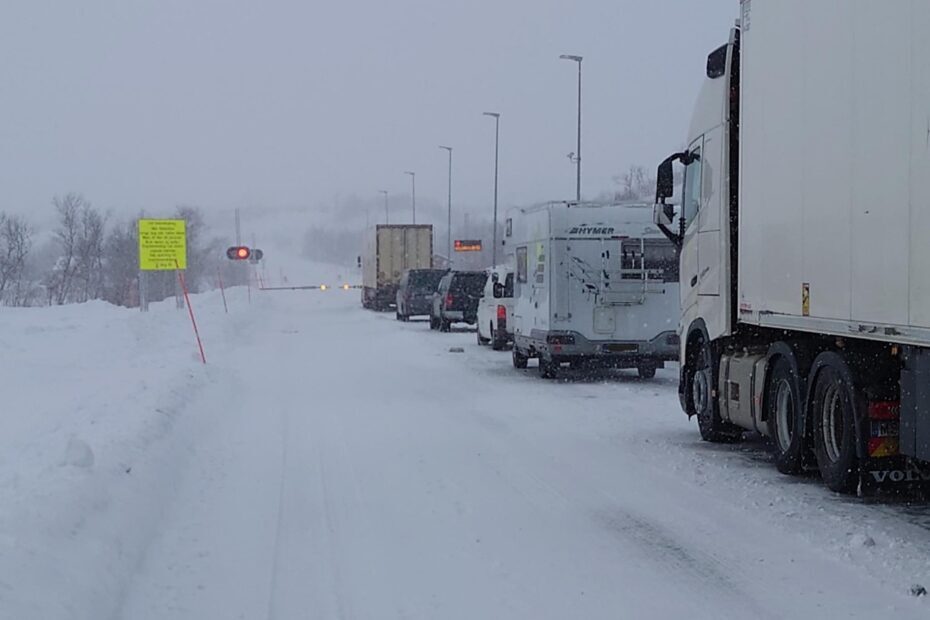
[238,253]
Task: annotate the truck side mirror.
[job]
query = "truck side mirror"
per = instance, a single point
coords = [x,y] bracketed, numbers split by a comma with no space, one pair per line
[665,180]
[498,290]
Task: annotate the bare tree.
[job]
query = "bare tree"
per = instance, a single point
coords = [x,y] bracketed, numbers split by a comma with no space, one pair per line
[635,184]
[89,253]
[121,265]
[60,280]
[15,244]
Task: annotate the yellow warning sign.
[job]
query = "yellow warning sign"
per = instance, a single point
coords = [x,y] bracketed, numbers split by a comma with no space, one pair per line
[162,245]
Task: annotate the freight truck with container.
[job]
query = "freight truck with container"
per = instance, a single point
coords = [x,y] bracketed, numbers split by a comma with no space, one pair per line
[804,237]
[390,249]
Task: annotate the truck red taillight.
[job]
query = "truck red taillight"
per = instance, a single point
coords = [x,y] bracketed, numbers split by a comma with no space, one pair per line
[501,317]
[449,300]
[884,426]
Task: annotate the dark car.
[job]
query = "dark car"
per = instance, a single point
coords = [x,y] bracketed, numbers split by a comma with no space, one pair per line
[415,291]
[456,299]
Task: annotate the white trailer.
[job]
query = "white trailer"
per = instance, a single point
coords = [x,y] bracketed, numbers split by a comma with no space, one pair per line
[804,255]
[594,285]
[389,250]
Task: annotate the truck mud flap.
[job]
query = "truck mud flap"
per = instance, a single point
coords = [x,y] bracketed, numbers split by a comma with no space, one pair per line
[893,475]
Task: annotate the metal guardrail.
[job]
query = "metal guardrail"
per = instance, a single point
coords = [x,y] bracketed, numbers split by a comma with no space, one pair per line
[313,287]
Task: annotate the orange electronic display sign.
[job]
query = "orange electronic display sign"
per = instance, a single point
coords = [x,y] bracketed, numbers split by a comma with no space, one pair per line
[468,245]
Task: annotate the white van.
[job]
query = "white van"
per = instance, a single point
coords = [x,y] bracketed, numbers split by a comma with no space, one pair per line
[595,285]
[495,310]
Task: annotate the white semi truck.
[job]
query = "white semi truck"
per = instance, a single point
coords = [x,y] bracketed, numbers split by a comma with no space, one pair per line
[595,285]
[390,249]
[804,236]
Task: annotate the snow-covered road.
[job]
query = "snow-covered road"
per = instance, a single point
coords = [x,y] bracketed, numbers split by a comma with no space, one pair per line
[334,463]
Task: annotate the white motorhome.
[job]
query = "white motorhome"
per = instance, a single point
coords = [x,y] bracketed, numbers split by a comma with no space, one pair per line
[804,257]
[595,285]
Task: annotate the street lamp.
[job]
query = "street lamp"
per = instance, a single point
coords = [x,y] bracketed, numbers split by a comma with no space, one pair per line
[413,193]
[578,153]
[387,216]
[449,229]
[497,134]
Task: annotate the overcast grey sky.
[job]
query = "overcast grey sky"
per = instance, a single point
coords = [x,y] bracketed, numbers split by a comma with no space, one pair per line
[224,103]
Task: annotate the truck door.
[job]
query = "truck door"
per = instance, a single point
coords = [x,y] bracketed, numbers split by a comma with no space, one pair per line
[691,208]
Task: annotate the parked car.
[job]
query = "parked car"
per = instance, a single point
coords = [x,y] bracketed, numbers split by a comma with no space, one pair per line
[456,299]
[415,292]
[495,310]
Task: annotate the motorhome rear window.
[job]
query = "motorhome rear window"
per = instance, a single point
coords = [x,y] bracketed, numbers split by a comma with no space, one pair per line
[658,257]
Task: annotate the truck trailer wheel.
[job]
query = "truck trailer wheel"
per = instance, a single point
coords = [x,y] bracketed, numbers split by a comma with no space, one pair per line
[647,370]
[784,415]
[833,405]
[701,377]
[519,360]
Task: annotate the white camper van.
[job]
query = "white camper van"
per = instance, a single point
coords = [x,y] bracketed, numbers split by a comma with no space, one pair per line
[595,285]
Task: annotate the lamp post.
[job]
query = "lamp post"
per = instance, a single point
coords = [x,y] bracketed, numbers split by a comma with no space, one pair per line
[497,134]
[578,153]
[413,193]
[387,216]
[449,229]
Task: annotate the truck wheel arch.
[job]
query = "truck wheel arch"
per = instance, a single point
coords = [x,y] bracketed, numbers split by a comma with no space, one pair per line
[802,366]
[837,361]
[696,331]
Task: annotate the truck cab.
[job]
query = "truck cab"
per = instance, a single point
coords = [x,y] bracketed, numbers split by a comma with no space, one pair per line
[706,222]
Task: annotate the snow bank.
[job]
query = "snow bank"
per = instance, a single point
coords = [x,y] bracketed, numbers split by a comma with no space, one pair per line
[96,428]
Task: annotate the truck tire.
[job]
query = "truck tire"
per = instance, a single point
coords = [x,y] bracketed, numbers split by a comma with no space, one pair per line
[701,377]
[547,368]
[834,405]
[519,360]
[784,414]
[481,341]
[445,326]
[647,370]
[498,344]
[398,316]
[433,323]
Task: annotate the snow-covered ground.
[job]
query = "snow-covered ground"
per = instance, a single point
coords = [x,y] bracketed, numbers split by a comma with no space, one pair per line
[329,462]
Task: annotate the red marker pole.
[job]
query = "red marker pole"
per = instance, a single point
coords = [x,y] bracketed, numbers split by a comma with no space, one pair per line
[190,308]
[219,279]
